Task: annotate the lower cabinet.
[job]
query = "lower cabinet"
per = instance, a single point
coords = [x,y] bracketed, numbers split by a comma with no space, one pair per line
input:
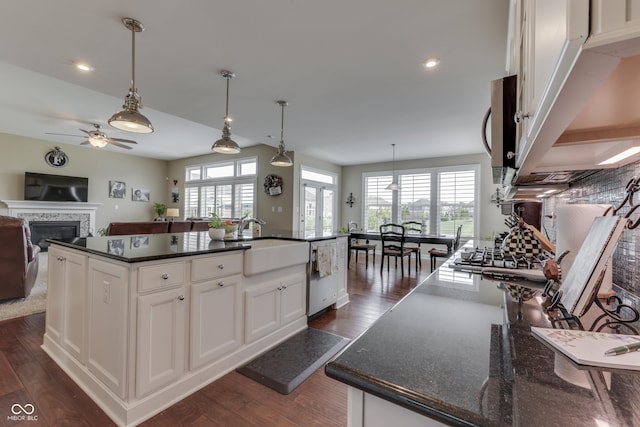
[274,304]
[216,319]
[66,300]
[161,340]
[107,324]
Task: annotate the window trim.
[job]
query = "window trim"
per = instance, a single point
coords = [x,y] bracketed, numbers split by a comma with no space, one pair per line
[435,202]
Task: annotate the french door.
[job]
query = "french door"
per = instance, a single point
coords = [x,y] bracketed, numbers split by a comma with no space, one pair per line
[319,210]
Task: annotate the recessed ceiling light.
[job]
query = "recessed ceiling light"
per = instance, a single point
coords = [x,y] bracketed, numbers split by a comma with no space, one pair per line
[431,62]
[84,67]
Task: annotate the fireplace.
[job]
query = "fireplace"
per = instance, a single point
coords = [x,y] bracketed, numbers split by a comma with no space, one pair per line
[42,230]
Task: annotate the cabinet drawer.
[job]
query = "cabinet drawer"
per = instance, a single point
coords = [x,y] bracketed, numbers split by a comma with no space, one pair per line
[216,266]
[161,276]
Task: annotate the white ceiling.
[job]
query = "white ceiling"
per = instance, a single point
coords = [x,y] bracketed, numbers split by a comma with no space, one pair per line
[350,69]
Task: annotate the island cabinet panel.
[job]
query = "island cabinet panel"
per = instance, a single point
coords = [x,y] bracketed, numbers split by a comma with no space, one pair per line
[161,348]
[107,324]
[213,268]
[273,304]
[216,319]
[66,300]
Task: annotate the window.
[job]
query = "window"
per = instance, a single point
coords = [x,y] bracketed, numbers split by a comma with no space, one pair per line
[228,188]
[318,195]
[440,198]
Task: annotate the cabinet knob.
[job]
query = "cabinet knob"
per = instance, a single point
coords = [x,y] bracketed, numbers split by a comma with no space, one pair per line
[221,284]
[284,287]
[221,266]
[519,116]
[279,288]
[165,276]
[181,297]
[60,258]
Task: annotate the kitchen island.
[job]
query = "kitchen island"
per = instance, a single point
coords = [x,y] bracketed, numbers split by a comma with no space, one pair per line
[140,322]
[458,351]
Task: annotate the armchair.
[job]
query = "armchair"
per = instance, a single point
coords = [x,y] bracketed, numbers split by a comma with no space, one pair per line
[18,258]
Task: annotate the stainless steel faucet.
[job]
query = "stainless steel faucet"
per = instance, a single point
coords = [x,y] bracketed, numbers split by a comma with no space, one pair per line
[244,221]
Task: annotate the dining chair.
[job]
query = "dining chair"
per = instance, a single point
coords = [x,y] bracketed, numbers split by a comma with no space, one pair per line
[415,228]
[392,236]
[357,246]
[436,253]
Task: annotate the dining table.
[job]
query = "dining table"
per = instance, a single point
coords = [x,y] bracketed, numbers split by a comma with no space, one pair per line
[438,239]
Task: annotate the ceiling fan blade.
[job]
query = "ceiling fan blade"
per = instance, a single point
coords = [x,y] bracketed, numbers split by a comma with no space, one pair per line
[129,141]
[117,144]
[85,131]
[64,134]
[85,142]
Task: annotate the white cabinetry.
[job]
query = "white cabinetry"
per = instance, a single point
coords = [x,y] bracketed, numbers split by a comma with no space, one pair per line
[273,304]
[107,324]
[66,300]
[161,337]
[216,308]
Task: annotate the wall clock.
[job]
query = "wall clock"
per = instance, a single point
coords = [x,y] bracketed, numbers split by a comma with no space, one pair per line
[273,185]
[56,158]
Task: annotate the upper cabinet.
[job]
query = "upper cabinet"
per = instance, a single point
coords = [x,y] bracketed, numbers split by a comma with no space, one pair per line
[574,60]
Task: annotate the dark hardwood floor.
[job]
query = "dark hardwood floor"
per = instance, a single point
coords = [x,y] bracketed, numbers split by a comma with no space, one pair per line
[29,376]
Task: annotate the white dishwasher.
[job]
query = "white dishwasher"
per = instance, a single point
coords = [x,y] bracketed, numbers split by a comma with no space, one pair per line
[322,291]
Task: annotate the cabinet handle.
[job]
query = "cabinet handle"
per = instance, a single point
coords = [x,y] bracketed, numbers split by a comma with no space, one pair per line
[221,284]
[221,266]
[61,258]
[181,297]
[165,276]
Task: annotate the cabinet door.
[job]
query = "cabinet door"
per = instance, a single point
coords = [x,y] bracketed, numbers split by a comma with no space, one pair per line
[294,298]
[66,299]
[216,319]
[55,294]
[107,324]
[262,310]
[160,341]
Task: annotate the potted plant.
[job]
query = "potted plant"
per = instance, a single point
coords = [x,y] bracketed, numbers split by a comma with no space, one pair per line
[216,230]
[160,209]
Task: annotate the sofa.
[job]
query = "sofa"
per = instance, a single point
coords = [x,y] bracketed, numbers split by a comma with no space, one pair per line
[18,258]
[154,227]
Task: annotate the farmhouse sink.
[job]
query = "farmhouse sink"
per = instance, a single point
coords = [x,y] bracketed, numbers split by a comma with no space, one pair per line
[272,254]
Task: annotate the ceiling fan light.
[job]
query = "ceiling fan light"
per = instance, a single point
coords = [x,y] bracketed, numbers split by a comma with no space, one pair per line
[97,142]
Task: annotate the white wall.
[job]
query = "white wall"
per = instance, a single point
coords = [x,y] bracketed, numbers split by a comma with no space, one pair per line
[490,218]
[20,155]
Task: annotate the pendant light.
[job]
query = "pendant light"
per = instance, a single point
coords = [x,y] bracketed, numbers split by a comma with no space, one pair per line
[130,119]
[281,158]
[394,185]
[226,145]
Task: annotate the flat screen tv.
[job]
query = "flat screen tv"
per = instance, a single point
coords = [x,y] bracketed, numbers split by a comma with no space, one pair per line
[55,188]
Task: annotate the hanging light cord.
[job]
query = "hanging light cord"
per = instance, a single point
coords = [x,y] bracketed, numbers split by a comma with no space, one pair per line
[282,126]
[226,114]
[133,59]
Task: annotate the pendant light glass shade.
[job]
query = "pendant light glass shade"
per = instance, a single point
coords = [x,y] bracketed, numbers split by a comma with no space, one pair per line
[394,185]
[281,158]
[226,145]
[130,119]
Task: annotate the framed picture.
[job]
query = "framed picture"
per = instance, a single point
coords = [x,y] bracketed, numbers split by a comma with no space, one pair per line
[116,247]
[117,189]
[175,195]
[140,195]
[139,242]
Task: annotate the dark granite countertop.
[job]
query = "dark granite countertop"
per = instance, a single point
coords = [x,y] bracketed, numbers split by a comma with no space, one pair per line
[459,349]
[149,247]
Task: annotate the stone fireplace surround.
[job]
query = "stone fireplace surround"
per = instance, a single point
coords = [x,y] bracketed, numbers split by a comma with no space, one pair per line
[32,210]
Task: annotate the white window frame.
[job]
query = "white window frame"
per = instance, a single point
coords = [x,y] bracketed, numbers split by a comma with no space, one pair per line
[321,185]
[434,194]
[234,180]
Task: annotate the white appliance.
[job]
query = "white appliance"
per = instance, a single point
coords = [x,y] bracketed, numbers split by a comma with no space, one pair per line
[322,291]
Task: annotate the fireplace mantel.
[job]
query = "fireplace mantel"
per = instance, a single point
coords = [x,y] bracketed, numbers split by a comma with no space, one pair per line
[33,210]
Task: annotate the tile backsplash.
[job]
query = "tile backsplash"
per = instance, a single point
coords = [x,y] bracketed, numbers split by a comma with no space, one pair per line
[608,187]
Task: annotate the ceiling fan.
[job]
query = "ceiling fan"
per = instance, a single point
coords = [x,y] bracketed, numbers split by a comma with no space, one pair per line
[99,139]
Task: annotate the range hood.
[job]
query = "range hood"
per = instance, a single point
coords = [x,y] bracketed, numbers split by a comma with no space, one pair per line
[595,115]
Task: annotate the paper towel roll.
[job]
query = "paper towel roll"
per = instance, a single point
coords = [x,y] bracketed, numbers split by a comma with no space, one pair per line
[572,225]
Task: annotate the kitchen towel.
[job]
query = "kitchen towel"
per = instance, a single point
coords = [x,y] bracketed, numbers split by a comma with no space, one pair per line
[327,259]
